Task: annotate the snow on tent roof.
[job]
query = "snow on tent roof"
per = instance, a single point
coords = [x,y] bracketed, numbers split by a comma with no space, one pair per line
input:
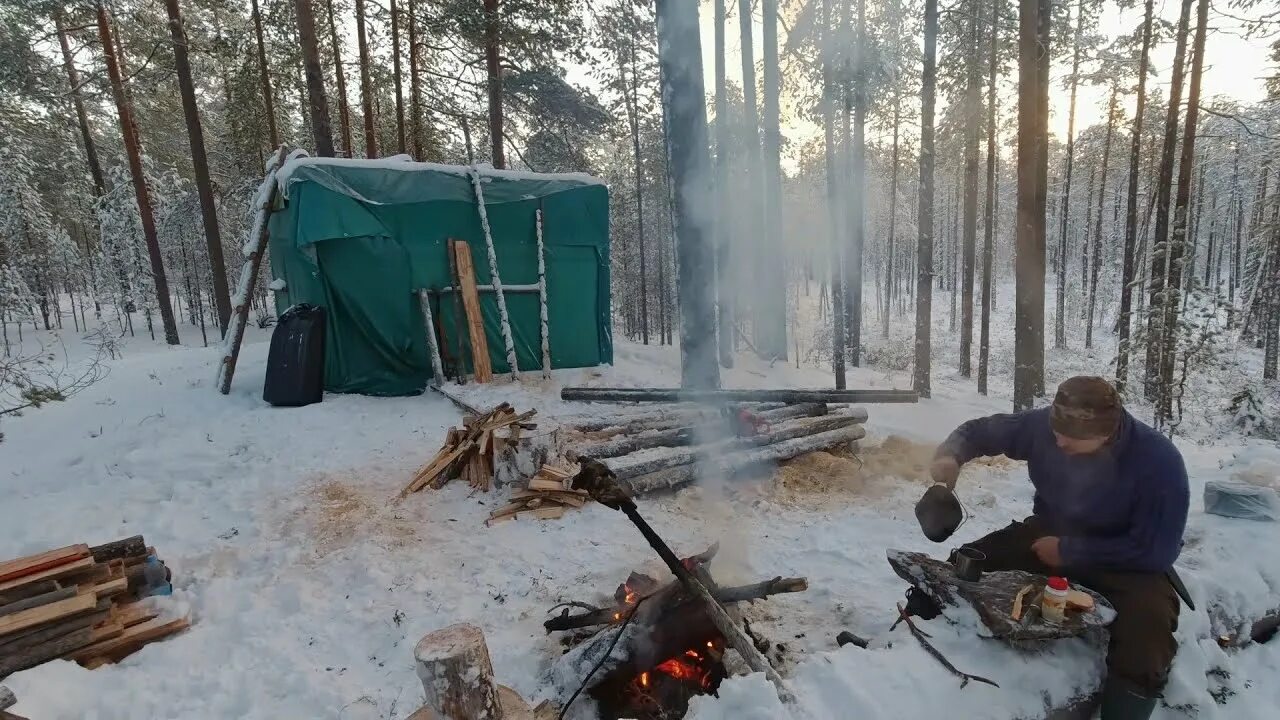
[398,180]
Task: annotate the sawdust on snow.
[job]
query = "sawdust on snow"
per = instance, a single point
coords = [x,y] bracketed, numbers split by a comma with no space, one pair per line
[873,471]
[338,512]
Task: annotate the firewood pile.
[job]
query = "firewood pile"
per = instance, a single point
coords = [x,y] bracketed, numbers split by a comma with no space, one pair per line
[547,497]
[671,445]
[468,452]
[81,603]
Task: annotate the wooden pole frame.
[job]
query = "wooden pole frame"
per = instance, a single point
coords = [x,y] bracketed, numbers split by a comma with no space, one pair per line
[542,297]
[503,319]
[433,347]
[265,200]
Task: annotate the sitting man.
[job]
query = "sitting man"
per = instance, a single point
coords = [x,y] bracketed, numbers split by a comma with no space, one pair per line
[1110,507]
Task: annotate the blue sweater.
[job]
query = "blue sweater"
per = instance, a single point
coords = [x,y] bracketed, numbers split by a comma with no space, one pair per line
[1122,508]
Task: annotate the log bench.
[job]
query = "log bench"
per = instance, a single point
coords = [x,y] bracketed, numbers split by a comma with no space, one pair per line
[993,597]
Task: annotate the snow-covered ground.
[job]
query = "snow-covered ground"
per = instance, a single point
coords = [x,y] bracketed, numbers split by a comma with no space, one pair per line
[307,588]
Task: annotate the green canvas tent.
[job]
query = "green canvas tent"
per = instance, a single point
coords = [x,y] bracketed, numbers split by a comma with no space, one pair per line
[361,238]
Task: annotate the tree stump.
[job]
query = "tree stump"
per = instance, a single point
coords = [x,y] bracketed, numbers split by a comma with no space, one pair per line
[457,674]
[519,454]
[513,708]
[993,598]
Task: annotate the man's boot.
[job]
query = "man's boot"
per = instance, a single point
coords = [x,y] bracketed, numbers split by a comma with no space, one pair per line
[1122,700]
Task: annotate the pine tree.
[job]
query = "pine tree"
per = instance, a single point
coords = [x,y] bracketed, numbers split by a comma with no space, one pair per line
[924,250]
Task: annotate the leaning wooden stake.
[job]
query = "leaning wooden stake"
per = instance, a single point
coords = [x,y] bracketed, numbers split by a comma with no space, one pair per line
[433,348]
[542,300]
[504,320]
[599,482]
[480,363]
[264,200]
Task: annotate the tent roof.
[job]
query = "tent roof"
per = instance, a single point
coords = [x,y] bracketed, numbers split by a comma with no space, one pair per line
[399,180]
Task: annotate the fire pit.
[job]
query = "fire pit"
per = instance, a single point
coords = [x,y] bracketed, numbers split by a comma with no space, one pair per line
[666,648]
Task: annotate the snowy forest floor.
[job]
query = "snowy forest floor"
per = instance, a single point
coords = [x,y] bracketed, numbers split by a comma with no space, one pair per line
[308,589]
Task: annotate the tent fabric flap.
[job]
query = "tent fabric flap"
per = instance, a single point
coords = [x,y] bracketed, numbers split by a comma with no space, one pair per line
[366,262]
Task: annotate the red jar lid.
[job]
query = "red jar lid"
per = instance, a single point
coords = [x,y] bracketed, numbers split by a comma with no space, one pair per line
[1058,583]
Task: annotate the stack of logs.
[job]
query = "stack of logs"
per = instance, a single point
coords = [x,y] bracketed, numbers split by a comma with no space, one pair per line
[673,445]
[468,451]
[80,603]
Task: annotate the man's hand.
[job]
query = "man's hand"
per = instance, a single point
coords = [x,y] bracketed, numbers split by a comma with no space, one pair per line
[1046,548]
[944,471]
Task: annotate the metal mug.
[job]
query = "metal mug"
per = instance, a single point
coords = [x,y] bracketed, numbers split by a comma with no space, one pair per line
[968,563]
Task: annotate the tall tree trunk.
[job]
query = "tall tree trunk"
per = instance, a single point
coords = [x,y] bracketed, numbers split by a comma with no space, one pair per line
[1097,230]
[724,237]
[1131,213]
[924,248]
[988,233]
[755,205]
[493,69]
[264,76]
[631,97]
[344,110]
[890,277]
[680,59]
[415,89]
[1194,214]
[772,262]
[86,134]
[1172,302]
[1156,283]
[857,205]
[1211,266]
[973,129]
[1032,146]
[1060,322]
[833,198]
[200,164]
[366,87]
[317,101]
[133,149]
[1233,268]
[401,144]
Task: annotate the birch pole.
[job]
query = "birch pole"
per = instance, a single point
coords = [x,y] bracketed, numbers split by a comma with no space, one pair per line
[503,319]
[253,247]
[542,299]
[433,348]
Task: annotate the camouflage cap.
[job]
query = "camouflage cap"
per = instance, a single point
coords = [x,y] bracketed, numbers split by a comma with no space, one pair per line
[1086,407]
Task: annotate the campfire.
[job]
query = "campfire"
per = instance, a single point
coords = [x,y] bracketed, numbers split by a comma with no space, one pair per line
[668,648]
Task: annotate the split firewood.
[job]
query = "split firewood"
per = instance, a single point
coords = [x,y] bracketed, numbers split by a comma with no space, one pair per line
[468,451]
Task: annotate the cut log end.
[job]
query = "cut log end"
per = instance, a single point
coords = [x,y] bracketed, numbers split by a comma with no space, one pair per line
[457,674]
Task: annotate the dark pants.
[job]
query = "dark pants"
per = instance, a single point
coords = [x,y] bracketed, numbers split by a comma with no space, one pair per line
[1142,644]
